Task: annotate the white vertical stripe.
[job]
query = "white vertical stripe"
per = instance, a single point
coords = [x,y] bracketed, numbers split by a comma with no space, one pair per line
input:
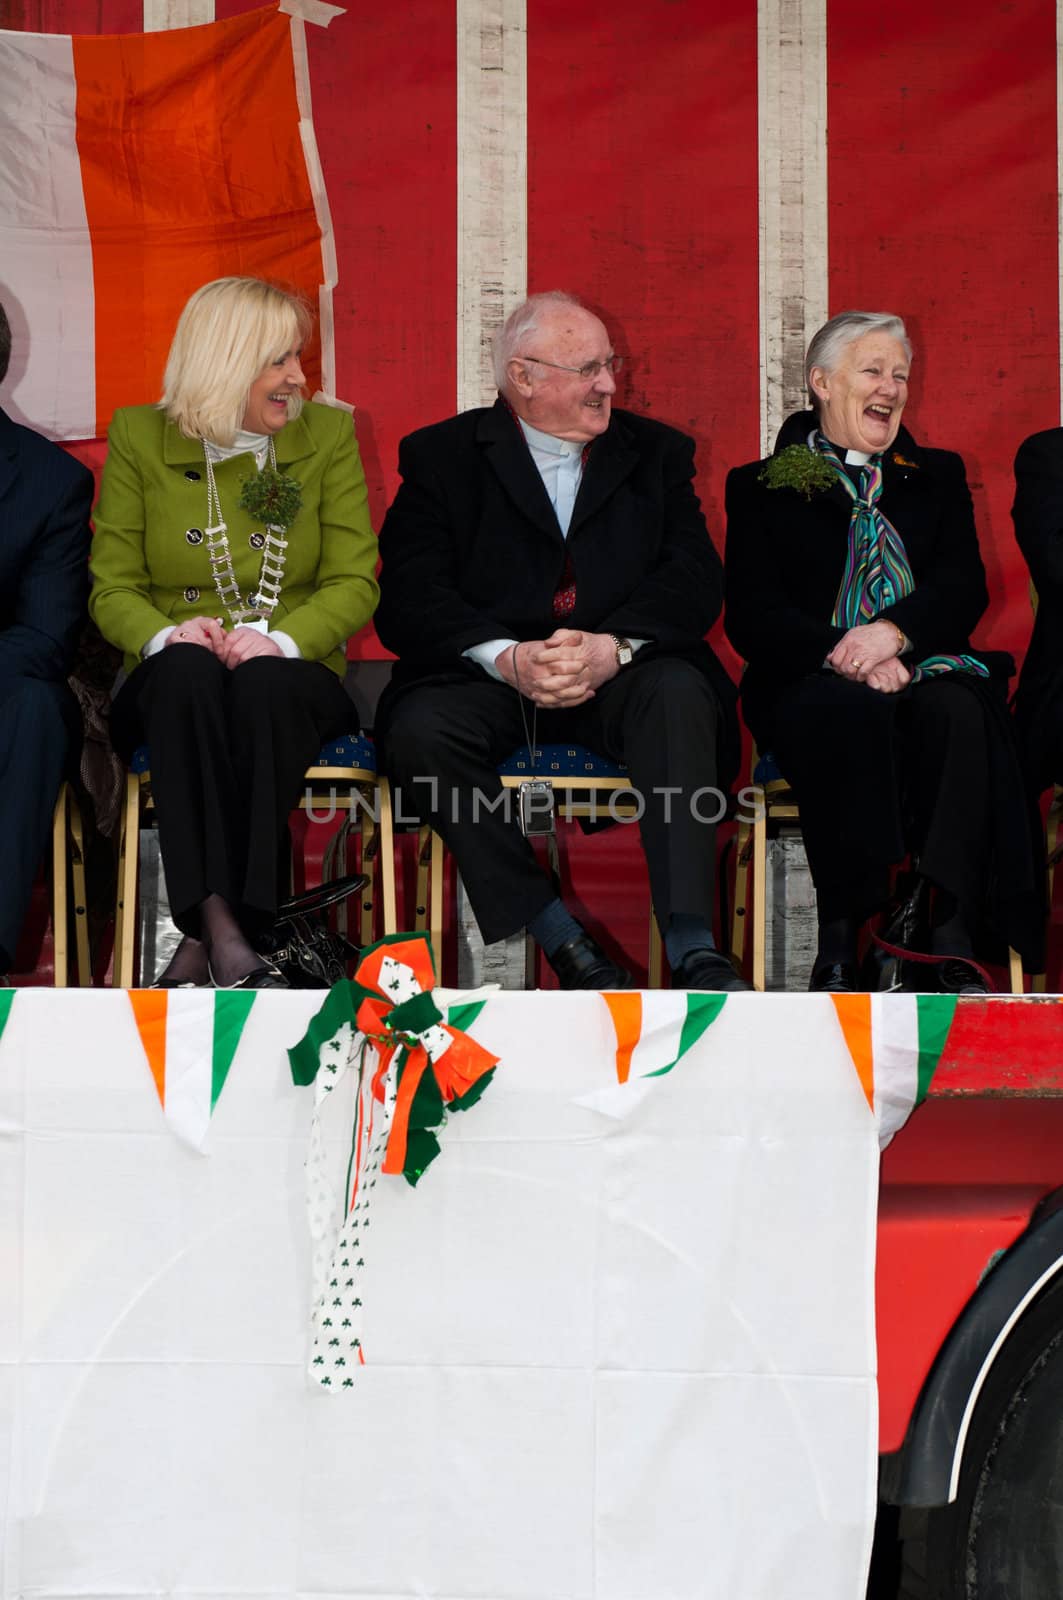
[792,124]
[189,1062]
[162,14]
[895,1060]
[45,253]
[663,1015]
[316,179]
[492,183]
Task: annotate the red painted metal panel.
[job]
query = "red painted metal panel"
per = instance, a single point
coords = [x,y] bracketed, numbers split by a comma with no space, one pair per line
[959,1183]
[1004,1047]
[934,1245]
[942,189]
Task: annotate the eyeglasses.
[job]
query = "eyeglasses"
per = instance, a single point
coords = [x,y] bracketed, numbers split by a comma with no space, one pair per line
[589,369]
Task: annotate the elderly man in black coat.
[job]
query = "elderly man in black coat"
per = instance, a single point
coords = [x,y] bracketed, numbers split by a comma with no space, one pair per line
[45,499]
[548,576]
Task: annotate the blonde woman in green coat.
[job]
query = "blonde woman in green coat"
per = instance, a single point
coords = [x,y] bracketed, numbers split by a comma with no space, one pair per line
[233,557]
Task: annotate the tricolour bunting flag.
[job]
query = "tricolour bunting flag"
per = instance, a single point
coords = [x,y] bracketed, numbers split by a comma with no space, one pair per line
[896,1042]
[136,168]
[190,1038]
[653,1032]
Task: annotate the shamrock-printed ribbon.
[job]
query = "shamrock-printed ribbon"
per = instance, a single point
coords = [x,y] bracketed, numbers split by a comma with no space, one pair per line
[412,1067]
[390,1002]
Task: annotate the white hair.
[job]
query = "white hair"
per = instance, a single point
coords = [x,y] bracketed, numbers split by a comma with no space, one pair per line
[521,322]
[827,345]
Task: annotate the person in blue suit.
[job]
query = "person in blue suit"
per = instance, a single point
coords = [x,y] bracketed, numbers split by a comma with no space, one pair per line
[45,499]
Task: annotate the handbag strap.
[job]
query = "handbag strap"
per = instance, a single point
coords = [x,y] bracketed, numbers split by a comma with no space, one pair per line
[327,894]
[903,954]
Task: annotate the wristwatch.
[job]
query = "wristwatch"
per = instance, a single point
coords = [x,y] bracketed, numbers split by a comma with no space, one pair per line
[624,652]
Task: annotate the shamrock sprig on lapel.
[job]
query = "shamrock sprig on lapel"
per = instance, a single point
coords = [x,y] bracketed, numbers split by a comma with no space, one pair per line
[798,467]
[272,497]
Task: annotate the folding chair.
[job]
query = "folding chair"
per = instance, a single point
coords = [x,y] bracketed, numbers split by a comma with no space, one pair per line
[773,802]
[583,782]
[344,777]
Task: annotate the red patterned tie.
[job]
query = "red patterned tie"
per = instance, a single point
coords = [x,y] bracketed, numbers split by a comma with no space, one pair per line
[564,602]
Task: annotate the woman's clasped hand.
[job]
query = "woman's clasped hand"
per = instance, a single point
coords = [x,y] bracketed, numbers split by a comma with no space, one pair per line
[234,647]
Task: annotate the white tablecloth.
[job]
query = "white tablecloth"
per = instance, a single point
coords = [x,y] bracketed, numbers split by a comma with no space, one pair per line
[619,1340]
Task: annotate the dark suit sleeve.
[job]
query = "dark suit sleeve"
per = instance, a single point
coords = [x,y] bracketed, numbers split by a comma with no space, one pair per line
[762,621]
[950,587]
[1038,508]
[678,601]
[422,614]
[50,605]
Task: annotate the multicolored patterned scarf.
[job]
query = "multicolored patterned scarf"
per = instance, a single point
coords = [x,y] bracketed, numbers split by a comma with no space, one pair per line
[877,572]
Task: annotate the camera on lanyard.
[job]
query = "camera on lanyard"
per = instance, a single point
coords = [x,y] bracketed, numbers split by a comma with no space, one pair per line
[535,808]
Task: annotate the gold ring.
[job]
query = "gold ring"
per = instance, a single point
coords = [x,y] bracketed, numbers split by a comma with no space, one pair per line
[856,665]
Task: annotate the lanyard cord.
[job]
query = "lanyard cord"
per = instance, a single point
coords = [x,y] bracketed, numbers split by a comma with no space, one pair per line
[529,736]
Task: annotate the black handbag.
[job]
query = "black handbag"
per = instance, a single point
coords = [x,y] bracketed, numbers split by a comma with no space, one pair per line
[905,927]
[309,953]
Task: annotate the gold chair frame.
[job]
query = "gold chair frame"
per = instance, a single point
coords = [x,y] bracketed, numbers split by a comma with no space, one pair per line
[348,788]
[68,867]
[577,797]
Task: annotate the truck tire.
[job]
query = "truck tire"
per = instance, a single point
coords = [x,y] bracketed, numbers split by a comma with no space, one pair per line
[1002,1537]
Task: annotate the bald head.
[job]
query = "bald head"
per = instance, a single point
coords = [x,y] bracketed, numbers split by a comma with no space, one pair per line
[546,357]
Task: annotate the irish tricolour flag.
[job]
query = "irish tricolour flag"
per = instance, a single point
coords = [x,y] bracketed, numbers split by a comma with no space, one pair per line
[135,168]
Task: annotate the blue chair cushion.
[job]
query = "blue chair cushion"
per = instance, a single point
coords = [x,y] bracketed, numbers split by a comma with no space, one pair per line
[352,750]
[767,770]
[560,761]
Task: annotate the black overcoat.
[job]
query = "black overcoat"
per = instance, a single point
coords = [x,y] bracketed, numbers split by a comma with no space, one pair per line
[786,555]
[471,549]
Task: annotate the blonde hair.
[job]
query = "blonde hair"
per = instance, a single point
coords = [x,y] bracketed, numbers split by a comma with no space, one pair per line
[227,334]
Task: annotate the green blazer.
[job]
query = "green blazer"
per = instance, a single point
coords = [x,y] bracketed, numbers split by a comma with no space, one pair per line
[149,562]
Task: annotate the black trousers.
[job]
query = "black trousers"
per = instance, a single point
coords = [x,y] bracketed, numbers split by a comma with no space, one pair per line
[228,753]
[442,741]
[40,729]
[877,776]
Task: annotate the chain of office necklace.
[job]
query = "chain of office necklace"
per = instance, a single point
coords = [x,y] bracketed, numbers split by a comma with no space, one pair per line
[263,598]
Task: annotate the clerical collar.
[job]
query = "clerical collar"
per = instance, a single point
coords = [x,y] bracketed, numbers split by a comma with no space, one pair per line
[538,440]
[851,458]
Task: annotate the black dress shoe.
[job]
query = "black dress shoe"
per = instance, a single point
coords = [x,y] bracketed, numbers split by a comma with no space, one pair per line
[580,963]
[834,977]
[957,976]
[708,969]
